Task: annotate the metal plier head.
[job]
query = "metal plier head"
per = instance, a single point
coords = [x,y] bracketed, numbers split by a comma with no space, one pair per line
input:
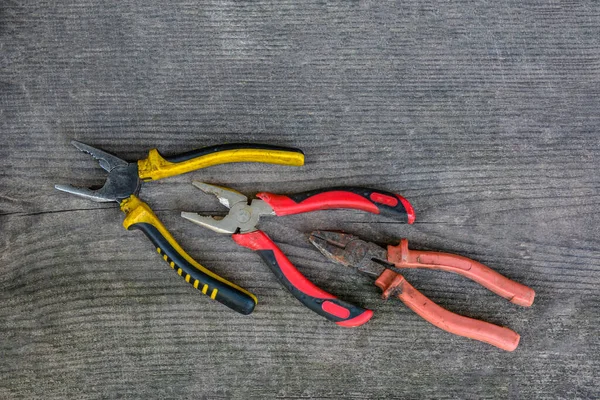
[242,217]
[122,180]
[349,250]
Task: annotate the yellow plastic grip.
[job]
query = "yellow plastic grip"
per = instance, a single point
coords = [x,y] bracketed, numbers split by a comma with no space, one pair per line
[140,216]
[157,167]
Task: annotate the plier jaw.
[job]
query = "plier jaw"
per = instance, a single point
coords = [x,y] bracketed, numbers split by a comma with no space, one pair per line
[242,217]
[122,181]
[351,251]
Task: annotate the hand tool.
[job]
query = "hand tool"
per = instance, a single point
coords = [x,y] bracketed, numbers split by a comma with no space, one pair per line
[123,184]
[242,219]
[382,265]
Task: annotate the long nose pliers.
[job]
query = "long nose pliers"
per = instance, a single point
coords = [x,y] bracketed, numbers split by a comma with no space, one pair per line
[383,265]
[123,184]
[242,219]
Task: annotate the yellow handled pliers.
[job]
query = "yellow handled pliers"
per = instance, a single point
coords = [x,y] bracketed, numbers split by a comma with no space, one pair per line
[123,184]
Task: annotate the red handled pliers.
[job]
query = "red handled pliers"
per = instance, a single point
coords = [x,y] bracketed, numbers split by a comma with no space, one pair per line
[242,219]
[382,265]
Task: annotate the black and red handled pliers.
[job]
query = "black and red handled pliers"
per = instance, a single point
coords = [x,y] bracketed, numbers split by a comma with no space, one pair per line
[242,219]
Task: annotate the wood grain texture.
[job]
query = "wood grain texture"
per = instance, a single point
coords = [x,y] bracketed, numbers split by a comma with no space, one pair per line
[483,114]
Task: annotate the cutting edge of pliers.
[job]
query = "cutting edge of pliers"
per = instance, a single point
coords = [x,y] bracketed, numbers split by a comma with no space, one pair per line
[351,251]
[122,180]
[242,216]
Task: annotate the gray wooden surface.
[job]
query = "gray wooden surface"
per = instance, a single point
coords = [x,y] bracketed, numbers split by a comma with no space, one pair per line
[485,115]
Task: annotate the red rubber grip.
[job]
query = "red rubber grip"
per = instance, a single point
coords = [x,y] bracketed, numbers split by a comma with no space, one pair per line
[394,284]
[284,205]
[258,240]
[318,300]
[402,257]
[354,198]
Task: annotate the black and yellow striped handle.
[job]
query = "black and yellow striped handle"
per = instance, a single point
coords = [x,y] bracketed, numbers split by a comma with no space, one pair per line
[157,167]
[140,216]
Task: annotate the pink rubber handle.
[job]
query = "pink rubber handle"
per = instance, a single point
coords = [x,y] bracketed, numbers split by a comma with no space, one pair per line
[394,284]
[513,291]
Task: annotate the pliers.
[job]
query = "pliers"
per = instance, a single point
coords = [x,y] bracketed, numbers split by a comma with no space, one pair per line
[242,219]
[383,264]
[123,184]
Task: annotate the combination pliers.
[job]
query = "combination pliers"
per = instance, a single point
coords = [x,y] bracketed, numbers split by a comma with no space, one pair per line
[384,264]
[242,219]
[123,184]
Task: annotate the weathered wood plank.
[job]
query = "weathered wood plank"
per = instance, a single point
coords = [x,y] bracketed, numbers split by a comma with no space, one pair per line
[484,115]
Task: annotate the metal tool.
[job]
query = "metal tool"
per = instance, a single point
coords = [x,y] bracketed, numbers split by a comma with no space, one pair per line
[123,184]
[383,265]
[242,219]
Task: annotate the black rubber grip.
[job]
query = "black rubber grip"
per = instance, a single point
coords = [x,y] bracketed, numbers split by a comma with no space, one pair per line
[220,291]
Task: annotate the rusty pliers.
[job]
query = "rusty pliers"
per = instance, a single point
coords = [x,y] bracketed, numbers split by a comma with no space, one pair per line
[383,264]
